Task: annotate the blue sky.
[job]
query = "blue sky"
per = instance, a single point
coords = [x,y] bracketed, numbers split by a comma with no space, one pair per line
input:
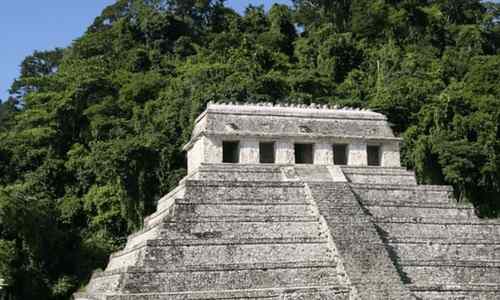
[29,25]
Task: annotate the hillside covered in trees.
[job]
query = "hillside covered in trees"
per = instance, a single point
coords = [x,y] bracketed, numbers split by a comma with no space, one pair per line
[92,134]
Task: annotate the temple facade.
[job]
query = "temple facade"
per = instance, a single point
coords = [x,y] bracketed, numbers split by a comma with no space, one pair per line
[298,203]
[252,134]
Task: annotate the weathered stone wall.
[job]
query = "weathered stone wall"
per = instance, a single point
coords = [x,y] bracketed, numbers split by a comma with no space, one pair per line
[357,153]
[204,150]
[390,155]
[212,150]
[323,154]
[209,150]
[196,154]
[284,153]
[249,151]
[292,121]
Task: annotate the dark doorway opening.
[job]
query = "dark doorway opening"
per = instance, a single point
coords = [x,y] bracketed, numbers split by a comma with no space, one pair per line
[230,152]
[266,152]
[373,153]
[340,154]
[304,154]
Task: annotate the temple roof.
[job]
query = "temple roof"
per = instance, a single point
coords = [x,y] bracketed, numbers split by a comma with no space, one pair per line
[293,121]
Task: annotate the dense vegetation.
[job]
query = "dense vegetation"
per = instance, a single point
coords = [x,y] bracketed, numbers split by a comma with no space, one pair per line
[92,134]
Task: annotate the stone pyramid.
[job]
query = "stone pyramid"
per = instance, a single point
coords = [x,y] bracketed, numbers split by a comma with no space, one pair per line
[236,228]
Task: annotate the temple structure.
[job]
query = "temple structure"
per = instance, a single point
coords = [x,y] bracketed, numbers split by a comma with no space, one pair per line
[302,203]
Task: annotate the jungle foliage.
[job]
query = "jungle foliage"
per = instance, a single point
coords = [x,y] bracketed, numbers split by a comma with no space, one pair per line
[91,136]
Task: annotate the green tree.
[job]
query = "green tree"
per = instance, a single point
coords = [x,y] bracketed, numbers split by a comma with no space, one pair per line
[7,111]
[35,70]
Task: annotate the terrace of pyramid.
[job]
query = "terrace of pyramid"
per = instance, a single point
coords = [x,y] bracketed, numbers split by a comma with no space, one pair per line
[299,203]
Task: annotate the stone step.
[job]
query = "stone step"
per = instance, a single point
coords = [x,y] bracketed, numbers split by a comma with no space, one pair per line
[377,170]
[241,254]
[451,272]
[177,193]
[231,229]
[152,224]
[165,206]
[379,175]
[299,228]
[419,239]
[239,172]
[247,201]
[189,210]
[411,211]
[444,220]
[380,178]
[192,183]
[142,280]
[442,250]
[313,173]
[416,205]
[237,279]
[328,292]
[145,234]
[423,194]
[102,282]
[440,230]
[159,242]
[244,219]
[208,191]
[176,257]
[462,291]
[160,215]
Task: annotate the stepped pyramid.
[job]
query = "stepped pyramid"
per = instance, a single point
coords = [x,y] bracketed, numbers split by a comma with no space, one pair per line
[299,203]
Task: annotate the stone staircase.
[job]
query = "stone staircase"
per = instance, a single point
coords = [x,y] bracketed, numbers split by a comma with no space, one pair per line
[220,239]
[441,249]
[365,258]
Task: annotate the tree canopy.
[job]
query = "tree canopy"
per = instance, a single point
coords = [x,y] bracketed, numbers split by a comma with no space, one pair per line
[92,134]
